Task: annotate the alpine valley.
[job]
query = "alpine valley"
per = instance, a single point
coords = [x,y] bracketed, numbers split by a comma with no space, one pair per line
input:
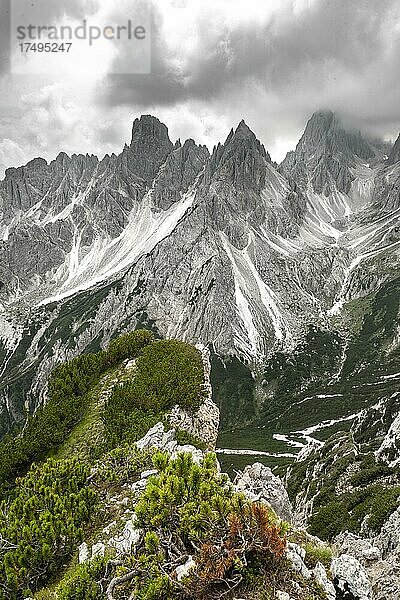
[289,273]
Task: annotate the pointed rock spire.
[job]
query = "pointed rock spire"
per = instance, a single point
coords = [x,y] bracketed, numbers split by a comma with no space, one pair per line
[241,159]
[150,145]
[326,153]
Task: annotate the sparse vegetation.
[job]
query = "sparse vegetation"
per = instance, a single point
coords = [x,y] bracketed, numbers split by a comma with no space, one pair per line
[317,553]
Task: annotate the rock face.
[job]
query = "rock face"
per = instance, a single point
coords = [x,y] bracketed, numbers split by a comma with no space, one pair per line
[227,250]
[360,548]
[163,440]
[389,450]
[328,151]
[394,155]
[322,579]
[258,482]
[378,556]
[296,554]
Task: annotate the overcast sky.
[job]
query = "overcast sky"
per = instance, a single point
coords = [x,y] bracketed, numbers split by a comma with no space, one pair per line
[214,62]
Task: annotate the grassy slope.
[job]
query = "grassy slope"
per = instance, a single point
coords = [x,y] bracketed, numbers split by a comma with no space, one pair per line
[89,432]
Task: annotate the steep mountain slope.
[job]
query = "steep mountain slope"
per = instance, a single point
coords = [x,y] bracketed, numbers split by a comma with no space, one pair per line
[347,490]
[224,249]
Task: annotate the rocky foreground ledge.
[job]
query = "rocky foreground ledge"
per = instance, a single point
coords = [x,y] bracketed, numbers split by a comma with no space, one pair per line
[347,570]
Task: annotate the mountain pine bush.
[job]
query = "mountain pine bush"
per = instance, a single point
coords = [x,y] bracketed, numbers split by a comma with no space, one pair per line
[68,386]
[41,523]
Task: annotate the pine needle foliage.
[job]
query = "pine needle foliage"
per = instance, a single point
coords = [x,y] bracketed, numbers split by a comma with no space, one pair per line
[41,523]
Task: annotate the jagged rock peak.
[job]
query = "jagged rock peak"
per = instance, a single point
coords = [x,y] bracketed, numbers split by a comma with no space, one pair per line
[394,155]
[244,135]
[178,173]
[150,145]
[243,130]
[319,125]
[240,144]
[325,132]
[149,127]
[326,154]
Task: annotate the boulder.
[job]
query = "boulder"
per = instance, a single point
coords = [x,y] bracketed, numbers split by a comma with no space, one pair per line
[360,548]
[259,483]
[295,554]
[183,570]
[156,437]
[163,440]
[129,537]
[98,550]
[349,574]
[83,553]
[386,584]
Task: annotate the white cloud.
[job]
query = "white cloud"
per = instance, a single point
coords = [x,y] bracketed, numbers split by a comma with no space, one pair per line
[214,63]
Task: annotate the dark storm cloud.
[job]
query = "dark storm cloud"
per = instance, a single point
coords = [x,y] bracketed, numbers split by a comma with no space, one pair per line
[342,53]
[164,85]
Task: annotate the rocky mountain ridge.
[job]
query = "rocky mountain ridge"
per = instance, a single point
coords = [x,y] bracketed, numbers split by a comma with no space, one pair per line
[227,249]
[346,490]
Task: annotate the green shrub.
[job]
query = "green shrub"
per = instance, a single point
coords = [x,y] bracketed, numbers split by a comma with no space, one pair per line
[185,497]
[384,502]
[330,520]
[167,373]
[122,465]
[317,553]
[128,345]
[82,582]
[124,423]
[170,372]
[348,511]
[190,508]
[42,522]
[366,476]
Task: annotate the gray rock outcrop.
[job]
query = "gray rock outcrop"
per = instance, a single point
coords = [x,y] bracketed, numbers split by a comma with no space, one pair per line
[158,438]
[258,483]
[349,574]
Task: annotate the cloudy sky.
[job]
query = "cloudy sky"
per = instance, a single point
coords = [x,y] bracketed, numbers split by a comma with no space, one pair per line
[213,62]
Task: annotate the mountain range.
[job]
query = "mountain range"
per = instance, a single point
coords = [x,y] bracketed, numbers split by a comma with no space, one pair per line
[289,273]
